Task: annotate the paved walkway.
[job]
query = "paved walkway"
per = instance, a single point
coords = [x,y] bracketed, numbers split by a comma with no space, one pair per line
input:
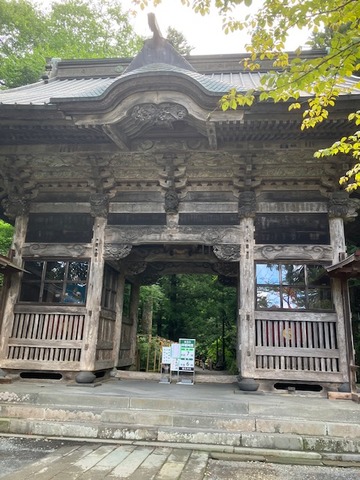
[95,461]
[148,430]
[98,461]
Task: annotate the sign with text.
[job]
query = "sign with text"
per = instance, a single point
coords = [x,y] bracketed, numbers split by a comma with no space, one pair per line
[166,355]
[187,355]
[175,357]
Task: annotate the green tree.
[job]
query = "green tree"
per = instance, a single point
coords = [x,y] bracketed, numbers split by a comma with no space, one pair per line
[21,37]
[69,29]
[6,235]
[178,41]
[322,76]
[198,306]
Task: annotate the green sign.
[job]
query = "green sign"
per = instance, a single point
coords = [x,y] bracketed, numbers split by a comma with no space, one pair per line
[187,354]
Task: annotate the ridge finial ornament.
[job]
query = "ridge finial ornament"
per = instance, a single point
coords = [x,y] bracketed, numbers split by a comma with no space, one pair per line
[154,27]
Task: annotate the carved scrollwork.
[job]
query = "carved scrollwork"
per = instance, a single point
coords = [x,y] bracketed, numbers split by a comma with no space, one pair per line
[340,205]
[15,205]
[117,251]
[171,201]
[99,204]
[164,114]
[44,249]
[227,253]
[210,236]
[311,252]
[133,234]
[247,204]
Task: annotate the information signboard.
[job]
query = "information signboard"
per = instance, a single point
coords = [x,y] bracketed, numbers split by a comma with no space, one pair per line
[175,357]
[166,356]
[187,355]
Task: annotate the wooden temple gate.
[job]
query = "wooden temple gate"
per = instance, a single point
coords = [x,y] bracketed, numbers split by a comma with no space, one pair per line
[130,174]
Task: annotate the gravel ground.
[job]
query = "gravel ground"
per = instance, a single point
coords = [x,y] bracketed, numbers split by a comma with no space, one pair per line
[16,452]
[229,470]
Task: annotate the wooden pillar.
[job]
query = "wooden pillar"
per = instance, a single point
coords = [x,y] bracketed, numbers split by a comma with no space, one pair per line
[134,317]
[246,327]
[119,316]
[338,209]
[99,208]
[16,207]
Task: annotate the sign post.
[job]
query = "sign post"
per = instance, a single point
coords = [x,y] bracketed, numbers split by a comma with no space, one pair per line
[165,365]
[186,372]
[180,358]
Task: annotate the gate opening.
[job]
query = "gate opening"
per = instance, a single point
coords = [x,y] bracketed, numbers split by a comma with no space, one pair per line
[194,306]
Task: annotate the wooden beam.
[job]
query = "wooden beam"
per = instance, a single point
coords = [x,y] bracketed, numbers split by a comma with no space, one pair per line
[211,133]
[115,136]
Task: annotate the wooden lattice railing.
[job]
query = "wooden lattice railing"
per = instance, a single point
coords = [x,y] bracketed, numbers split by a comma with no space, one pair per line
[296,342]
[46,339]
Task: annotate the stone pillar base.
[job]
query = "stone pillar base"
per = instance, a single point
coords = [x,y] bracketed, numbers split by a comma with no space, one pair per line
[85,377]
[247,384]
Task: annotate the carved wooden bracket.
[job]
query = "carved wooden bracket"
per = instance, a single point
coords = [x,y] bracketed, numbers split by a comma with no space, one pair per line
[227,253]
[164,114]
[116,251]
[99,204]
[15,205]
[247,204]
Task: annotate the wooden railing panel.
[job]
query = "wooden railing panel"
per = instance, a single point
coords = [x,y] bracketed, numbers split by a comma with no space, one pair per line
[45,338]
[293,342]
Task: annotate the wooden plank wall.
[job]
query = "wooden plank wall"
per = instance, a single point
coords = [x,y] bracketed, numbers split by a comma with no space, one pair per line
[292,342]
[45,341]
[106,335]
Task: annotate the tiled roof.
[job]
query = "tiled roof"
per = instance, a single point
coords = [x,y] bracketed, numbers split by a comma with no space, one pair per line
[41,93]
[57,90]
[209,82]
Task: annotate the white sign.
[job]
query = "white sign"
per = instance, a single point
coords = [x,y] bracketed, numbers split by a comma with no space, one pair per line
[166,355]
[174,364]
[175,350]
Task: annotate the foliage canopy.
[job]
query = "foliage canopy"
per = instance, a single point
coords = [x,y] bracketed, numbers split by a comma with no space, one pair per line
[6,235]
[196,306]
[333,24]
[178,41]
[68,29]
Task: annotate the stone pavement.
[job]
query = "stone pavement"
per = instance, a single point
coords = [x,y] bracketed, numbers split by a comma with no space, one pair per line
[97,461]
[94,461]
[216,418]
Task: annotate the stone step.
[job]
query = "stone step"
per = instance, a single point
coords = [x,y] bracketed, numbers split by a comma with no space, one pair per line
[210,416]
[172,426]
[219,440]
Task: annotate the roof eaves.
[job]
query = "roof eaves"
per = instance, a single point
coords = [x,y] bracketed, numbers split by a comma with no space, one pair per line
[208,85]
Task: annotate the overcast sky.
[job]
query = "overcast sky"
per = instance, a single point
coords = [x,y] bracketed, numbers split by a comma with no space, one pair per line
[205,34]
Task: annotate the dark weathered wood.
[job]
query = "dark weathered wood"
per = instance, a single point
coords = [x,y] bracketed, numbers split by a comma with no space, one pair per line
[247,295]
[13,292]
[119,316]
[134,317]
[88,353]
[174,174]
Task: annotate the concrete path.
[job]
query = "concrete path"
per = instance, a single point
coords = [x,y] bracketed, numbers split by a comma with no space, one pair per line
[97,461]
